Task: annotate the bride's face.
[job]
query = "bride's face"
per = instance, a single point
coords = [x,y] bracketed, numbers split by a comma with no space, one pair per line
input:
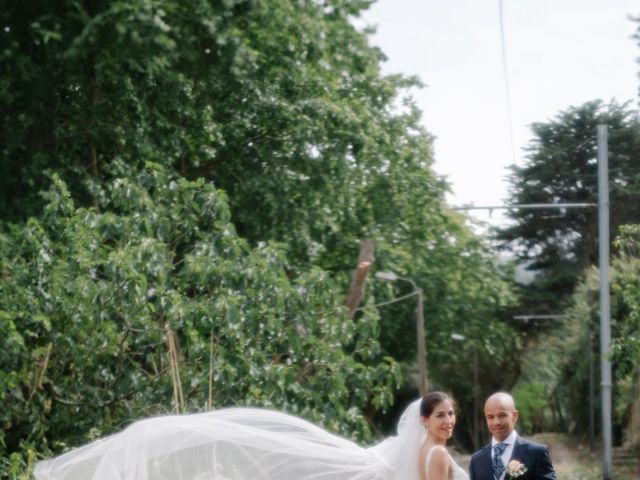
[441,421]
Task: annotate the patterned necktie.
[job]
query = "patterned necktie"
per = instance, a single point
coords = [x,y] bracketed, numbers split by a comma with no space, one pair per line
[498,464]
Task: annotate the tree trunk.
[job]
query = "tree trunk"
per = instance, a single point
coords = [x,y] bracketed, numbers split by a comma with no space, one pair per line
[356,291]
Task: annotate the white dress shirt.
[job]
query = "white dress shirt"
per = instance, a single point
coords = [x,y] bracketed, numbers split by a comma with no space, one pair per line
[510,441]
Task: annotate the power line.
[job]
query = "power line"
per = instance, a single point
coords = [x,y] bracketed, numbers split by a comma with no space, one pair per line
[529,206]
[526,318]
[398,299]
[506,81]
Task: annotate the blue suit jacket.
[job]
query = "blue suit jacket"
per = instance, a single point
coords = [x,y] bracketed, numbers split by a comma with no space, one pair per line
[533,455]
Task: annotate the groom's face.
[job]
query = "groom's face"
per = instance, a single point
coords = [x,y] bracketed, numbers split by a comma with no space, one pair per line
[501,418]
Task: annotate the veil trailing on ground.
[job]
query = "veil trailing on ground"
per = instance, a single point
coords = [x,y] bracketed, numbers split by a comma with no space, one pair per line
[238,444]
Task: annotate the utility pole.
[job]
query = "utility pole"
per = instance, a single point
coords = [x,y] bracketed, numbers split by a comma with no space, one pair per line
[476,399]
[422,348]
[605,310]
[592,422]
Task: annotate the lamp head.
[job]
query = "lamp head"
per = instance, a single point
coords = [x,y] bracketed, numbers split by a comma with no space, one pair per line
[386,276]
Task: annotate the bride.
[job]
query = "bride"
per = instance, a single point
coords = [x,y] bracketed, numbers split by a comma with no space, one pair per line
[438,417]
[257,444]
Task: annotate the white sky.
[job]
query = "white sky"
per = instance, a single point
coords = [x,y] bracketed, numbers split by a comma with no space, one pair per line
[560,53]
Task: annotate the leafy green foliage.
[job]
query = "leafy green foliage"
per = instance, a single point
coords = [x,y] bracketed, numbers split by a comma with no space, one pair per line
[583,329]
[467,291]
[532,401]
[89,298]
[281,105]
[626,288]
[562,167]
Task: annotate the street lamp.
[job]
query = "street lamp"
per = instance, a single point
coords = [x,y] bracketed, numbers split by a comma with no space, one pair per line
[422,349]
[476,387]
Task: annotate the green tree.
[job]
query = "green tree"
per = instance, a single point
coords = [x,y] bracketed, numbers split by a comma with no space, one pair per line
[562,167]
[279,104]
[158,305]
[627,290]
[626,343]
[467,291]
[581,332]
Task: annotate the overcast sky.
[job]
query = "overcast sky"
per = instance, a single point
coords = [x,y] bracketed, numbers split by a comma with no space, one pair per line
[559,53]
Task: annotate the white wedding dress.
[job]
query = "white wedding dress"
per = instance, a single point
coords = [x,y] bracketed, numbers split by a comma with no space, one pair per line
[458,471]
[239,444]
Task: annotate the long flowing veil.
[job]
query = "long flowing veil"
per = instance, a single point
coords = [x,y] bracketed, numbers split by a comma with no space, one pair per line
[238,444]
[401,452]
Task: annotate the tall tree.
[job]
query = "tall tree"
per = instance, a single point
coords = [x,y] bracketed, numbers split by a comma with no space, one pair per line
[580,332]
[562,167]
[282,105]
[158,305]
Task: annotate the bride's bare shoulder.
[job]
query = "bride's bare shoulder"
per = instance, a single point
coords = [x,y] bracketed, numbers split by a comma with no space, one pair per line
[440,454]
[437,454]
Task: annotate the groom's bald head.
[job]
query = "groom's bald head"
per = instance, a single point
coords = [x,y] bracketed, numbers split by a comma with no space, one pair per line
[501,415]
[503,398]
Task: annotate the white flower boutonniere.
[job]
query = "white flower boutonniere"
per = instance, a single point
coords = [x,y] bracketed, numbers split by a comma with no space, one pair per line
[515,469]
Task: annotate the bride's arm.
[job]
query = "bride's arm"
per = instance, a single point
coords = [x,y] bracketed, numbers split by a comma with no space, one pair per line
[421,466]
[439,465]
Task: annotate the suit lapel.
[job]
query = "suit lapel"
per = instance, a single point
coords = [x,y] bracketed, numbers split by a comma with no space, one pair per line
[519,450]
[485,463]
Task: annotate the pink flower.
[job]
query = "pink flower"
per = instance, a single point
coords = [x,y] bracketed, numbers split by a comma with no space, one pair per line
[515,469]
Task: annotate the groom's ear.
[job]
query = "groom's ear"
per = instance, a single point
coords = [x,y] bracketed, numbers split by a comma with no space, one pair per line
[515,416]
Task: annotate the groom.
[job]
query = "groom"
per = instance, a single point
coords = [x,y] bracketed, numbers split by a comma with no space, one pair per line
[509,456]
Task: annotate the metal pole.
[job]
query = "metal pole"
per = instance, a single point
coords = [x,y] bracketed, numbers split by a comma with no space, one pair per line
[422,349]
[476,402]
[526,318]
[592,422]
[529,206]
[605,312]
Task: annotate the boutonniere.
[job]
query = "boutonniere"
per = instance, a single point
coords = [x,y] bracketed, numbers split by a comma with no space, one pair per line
[515,469]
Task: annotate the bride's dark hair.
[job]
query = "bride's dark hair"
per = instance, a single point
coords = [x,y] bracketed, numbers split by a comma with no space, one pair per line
[431,400]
